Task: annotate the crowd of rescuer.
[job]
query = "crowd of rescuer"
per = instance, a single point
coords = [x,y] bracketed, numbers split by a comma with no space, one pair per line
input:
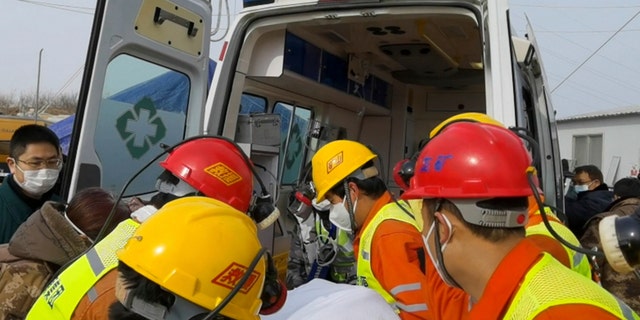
[474,180]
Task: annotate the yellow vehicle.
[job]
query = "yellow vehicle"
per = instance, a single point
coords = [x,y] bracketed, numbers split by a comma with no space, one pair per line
[9,124]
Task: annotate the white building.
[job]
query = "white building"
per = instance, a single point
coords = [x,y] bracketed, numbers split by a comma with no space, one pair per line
[608,139]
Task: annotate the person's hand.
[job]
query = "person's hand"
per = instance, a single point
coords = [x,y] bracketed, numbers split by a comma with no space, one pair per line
[135,203]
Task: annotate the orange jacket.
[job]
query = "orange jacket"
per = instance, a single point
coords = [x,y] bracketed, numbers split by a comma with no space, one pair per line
[395,259]
[445,302]
[97,308]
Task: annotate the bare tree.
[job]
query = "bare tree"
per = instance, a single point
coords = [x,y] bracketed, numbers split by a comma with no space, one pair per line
[7,104]
[12,104]
[26,103]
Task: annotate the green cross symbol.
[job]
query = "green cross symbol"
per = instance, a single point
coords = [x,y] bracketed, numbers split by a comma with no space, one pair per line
[141,128]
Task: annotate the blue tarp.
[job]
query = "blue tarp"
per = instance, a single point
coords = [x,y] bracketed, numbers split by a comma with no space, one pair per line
[63,129]
[168,91]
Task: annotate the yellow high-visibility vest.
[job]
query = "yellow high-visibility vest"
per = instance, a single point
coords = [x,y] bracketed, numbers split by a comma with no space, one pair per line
[578,260]
[60,299]
[549,283]
[390,211]
[344,264]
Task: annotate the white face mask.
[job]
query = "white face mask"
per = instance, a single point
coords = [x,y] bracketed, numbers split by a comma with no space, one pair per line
[323,205]
[339,215]
[439,267]
[38,182]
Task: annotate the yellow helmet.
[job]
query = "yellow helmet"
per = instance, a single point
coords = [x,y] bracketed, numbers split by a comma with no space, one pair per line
[199,248]
[338,160]
[467,116]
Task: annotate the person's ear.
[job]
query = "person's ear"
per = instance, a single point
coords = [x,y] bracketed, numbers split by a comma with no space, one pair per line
[445,227]
[353,188]
[11,163]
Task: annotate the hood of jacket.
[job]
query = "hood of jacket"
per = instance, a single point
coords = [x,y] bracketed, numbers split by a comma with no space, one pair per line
[624,206]
[48,236]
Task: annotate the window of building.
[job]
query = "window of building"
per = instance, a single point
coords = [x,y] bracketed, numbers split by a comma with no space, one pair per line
[587,149]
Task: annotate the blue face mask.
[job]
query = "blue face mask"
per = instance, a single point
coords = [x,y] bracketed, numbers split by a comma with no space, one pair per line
[581,188]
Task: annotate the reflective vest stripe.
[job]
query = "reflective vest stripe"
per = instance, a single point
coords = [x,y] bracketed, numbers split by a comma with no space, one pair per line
[405,287]
[60,298]
[548,283]
[577,259]
[94,261]
[412,307]
[92,294]
[390,211]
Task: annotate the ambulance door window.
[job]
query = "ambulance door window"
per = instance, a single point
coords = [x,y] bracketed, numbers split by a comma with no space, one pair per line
[143,105]
[252,104]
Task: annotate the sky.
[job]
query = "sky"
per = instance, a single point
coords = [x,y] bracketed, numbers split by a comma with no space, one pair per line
[589,48]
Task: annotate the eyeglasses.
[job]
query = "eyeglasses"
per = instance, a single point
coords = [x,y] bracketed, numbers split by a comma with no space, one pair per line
[36,164]
[575,183]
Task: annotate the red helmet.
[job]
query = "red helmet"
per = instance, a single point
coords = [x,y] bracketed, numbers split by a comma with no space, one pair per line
[471,161]
[402,172]
[216,168]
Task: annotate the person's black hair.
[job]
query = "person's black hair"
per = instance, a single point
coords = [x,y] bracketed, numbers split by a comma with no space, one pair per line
[148,291]
[593,172]
[168,177]
[373,187]
[144,288]
[627,188]
[30,134]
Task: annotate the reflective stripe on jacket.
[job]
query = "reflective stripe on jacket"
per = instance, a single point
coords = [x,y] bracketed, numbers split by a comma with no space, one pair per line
[390,211]
[60,298]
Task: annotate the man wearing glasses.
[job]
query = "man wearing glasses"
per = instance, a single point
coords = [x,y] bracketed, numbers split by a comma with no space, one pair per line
[34,161]
[592,197]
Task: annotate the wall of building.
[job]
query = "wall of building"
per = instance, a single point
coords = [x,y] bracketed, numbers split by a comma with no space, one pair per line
[620,137]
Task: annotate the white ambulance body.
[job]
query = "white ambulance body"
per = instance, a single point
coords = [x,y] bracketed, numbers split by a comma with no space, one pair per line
[294,75]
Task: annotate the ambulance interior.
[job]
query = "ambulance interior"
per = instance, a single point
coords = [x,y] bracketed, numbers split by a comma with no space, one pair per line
[385,82]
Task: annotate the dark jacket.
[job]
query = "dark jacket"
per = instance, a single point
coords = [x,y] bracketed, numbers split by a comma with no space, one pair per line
[15,207]
[587,205]
[624,286]
[38,248]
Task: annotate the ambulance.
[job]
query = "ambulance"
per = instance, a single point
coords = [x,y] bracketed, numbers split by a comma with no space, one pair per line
[293,75]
